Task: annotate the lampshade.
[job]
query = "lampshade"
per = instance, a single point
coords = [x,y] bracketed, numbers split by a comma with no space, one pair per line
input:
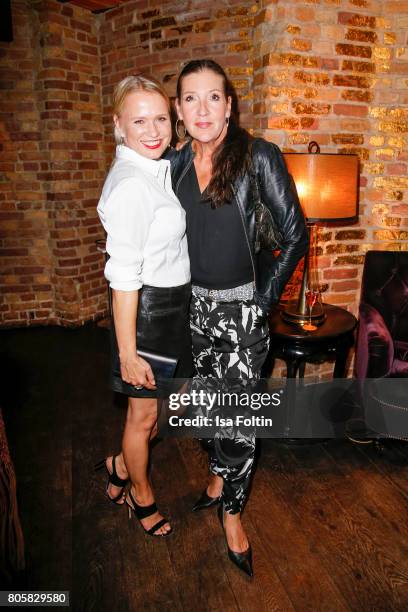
[327,185]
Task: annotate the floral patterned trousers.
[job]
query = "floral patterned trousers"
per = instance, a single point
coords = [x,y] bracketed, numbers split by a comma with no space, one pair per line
[230,344]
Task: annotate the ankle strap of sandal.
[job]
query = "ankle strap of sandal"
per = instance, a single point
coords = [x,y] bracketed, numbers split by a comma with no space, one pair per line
[114,478]
[142,512]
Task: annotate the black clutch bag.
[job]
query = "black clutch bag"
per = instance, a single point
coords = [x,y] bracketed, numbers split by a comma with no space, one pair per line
[163,366]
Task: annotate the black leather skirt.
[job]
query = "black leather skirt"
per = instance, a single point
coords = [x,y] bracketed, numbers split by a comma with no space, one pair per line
[162,326]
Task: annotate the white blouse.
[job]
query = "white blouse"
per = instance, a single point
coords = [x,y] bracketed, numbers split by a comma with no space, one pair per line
[145,224]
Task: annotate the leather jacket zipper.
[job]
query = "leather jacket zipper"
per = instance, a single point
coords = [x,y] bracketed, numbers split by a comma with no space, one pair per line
[241,214]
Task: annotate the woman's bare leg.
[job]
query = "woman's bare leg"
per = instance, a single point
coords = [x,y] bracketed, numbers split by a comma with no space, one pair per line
[132,462]
[235,533]
[215,484]
[140,424]
[121,470]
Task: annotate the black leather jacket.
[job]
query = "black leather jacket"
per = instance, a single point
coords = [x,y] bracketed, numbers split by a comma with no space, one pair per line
[277,193]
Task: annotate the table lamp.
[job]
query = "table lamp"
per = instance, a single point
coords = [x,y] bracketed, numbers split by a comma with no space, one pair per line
[327,186]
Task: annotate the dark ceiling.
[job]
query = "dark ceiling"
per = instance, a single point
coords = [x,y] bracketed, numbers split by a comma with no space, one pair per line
[95,5]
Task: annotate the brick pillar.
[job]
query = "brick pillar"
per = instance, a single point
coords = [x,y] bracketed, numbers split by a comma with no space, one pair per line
[53,167]
[72,136]
[26,291]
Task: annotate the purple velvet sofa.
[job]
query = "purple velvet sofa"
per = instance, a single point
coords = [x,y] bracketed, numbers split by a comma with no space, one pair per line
[382,345]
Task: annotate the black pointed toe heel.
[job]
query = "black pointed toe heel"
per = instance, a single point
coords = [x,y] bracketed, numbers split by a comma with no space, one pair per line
[243,560]
[142,512]
[205,501]
[113,479]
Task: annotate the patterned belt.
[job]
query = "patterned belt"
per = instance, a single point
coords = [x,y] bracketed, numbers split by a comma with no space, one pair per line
[236,294]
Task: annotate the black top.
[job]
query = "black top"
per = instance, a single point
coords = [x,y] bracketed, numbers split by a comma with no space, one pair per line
[218,250]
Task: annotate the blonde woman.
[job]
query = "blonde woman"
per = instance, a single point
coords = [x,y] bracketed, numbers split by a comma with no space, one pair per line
[149,275]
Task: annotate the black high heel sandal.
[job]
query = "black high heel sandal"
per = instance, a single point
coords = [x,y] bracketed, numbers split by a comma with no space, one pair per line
[243,560]
[142,512]
[113,479]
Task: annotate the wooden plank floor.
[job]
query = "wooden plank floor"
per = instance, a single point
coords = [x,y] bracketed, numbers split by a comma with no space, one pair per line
[327,522]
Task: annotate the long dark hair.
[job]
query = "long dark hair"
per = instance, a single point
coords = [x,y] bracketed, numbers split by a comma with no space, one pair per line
[230,158]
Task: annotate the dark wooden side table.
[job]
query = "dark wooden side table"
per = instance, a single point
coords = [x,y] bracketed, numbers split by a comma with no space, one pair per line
[296,346]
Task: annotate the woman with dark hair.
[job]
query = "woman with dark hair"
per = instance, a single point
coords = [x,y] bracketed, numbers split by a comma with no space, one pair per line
[218,177]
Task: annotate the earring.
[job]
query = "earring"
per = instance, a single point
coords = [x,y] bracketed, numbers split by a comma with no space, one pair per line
[227,121]
[177,128]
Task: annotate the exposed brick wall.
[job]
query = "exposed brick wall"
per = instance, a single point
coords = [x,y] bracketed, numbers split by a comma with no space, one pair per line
[158,36]
[332,71]
[26,291]
[71,112]
[335,71]
[327,70]
[52,167]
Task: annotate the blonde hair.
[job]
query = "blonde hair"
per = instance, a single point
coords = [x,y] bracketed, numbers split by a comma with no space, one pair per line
[137,82]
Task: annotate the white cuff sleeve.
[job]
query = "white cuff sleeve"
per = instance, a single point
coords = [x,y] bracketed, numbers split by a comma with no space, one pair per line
[127,219]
